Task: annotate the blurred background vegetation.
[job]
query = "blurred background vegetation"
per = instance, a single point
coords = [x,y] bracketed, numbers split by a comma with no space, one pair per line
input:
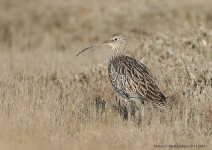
[68,26]
[51,99]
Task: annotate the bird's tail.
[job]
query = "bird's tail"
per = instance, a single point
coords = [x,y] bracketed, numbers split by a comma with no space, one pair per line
[162,103]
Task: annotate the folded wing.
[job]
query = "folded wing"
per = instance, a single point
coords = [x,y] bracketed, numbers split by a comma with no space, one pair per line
[133,80]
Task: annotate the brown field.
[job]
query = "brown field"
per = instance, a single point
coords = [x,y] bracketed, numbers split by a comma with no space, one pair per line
[52,100]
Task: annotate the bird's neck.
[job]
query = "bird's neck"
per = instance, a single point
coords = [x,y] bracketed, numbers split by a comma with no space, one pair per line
[117,51]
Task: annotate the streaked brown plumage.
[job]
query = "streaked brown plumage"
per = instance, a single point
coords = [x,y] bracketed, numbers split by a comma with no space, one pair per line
[132,80]
[129,77]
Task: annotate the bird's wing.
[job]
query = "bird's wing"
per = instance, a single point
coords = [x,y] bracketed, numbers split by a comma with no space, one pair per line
[132,79]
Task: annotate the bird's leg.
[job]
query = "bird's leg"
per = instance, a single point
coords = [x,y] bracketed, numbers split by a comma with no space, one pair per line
[143,110]
[128,109]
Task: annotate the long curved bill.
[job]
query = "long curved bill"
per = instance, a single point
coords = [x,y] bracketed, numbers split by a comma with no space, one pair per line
[98,44]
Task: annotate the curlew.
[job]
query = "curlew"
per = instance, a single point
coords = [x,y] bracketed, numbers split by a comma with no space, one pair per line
[129,77]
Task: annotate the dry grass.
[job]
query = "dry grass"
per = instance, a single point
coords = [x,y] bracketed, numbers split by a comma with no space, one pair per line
[51,99]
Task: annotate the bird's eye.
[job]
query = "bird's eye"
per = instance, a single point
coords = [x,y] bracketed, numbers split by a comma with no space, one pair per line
[115,39]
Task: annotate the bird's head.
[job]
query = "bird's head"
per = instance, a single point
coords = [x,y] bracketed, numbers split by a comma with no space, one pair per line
[115,41]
